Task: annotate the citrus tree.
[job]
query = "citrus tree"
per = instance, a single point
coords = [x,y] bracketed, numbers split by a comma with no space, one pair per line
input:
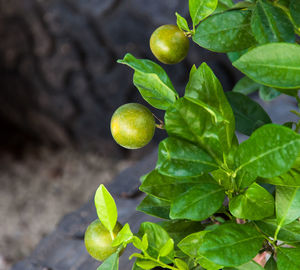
[222,203]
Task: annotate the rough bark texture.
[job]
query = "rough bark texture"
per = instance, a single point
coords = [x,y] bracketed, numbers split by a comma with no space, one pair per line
[58,74]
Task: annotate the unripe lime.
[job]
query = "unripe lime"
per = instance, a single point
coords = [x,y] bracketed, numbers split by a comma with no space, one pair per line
[97,240]
[132,125]
[169,44]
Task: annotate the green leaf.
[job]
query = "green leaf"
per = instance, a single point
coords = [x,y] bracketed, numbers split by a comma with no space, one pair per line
[287,205]
[295,12]
[124,236]
[152,82]
[106,208]
[200,9]
[167,248]
[155,207]
[182,23]
[270,24]
[157,238]
[233,56]
[181,265]
[274,64]
[190,244]
[270,151]
[231,244]
[194,123]
[206,264]
[289,233]
[198,203]
[137,243]
[111,263]
[168,188]
[205,87]
[252,265]
[249,115]
[267,93]
[225,32]
[271,264]
[288,258]
[144,264]
[222,178]
[145,242]
[180,158]
[289,179]
[246,86]
[249,204]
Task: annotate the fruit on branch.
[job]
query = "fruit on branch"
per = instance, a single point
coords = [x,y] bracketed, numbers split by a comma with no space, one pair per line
[132,125]
[97,240]
[169,44]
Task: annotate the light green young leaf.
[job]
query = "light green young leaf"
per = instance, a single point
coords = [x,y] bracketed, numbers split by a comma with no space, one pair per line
[111,263]
[273,64]
[200,9]
[152,82]
[288,258]
[180,158]
[229,31]
[124,236]
[270,151]
[295,12]
[182,23]
[106,208]
[145,242]
[137,243]
[255,204]
[231,244]
[270,24]
[136,255]
[246,86]
[147,264]
[287,205]
[181,265]
[167,248]
[198,203]
[155,207]
[267,93]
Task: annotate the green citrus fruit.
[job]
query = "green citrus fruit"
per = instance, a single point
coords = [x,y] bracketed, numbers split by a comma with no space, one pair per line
[169,44]
[132,125]
[97,240]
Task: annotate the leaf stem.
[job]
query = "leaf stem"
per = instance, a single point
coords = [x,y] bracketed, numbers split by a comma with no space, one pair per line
[276,233]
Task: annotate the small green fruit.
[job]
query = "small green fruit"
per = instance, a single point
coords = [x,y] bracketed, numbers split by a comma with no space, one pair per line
[97,240]
[169,44]
[132,125]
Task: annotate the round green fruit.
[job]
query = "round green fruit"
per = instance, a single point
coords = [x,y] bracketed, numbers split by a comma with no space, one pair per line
[132,126]
[97,240]
[169,44]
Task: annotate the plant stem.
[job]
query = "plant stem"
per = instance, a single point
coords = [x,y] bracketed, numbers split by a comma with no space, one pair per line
[148,257]
[276,233]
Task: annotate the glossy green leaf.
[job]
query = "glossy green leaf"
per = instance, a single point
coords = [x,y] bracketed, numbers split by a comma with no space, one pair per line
[287,204]
[181,22]
[249,115]
[222,178]
[270,151]
[225,32]
[288,258]
[152,82]
[193,123]
[200,9]
[180,158]
[289,179]
[168,188]
[198,203]
[271,264]
[206,264]
[106,208]
[270,24]
[273,64]
[155,207]
[190,244]
[231,244]
[205,87]
[295,12]
[111,263]
[267,93]
[255,203]
[144,264]
[289,233]
[124,236]
[252,265]
[233,56]
[167,248]
[246,86]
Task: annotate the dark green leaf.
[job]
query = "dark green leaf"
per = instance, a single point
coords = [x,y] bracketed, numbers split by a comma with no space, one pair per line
[205,87]
[295,12]
[225,32]
[274,64]
[200,9]
[180,158]
[233,56]
[270,151]
[249,115]
[155,207]
[289,179]
[198,203]
[270,24]
[246,86]
[231,244]
[255,204]
[267,93]
[152,82]
[271,264]
[111,263]
[288,258]
[182,23]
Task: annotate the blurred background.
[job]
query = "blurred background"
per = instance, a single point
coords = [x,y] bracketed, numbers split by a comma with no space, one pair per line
[59,85]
